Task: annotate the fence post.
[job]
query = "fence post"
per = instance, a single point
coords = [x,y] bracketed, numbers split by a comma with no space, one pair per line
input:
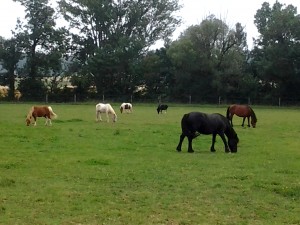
[131,98]
[249,101]
[279,102]
[190,99]
[75,98]
[219,100]
[46,97]
[103,97]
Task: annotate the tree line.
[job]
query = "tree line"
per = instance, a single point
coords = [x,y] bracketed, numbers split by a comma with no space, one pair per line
[105,49]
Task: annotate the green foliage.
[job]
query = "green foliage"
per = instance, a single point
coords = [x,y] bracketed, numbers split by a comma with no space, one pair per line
[113,35]
[209,59]
[43,43]
[82,172]
[32,89]
[276,55]
[10,55]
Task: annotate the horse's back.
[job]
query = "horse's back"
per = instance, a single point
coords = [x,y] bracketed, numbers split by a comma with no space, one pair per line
[204,123]
[240,110]
[41,110]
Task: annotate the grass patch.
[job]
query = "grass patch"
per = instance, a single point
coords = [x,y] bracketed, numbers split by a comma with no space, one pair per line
[78,171]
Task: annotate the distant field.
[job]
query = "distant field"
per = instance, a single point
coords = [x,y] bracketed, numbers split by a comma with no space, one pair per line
[82,172]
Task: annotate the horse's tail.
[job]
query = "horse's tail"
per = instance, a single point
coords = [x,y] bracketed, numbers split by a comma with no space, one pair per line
[52,114]
[184,125]
[228,113]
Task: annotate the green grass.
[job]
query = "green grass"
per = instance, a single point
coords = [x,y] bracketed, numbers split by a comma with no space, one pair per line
[81,172]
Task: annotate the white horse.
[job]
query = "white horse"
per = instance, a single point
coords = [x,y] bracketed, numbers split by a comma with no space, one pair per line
[107,109]
[126,107]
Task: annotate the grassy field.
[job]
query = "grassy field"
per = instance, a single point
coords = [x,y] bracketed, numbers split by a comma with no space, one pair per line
[81,172]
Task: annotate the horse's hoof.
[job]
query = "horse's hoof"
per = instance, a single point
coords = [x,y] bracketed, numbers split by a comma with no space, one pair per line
[190,151]
[178,149]
[212,150]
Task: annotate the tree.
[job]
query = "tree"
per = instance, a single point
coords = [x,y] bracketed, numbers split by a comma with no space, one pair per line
[10,55]
[113,34]
[156,72]
[209,59]
[42,43]
[276,56]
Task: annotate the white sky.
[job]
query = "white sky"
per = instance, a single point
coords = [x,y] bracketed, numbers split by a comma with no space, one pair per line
[193,12]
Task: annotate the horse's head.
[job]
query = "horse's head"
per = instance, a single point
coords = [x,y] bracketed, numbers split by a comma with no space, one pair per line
[158,109]
[114,117]
[253,119]
[232,143]
[253,122]
[28,120]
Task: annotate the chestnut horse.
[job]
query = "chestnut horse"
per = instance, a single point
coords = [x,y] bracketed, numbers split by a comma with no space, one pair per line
[244,111]
[40,111]
[126,107]
[107,109]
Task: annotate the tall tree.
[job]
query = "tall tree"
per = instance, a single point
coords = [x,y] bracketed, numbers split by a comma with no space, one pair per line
[42,43]
[276,56]
[112,34]
[10,55]
[209,58]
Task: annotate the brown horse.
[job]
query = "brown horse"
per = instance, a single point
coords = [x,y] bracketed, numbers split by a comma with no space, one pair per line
[40,111]
[244,111]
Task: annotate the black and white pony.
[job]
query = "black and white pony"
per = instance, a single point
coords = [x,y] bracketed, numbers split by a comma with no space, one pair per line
[195,123]
[107,109]
[126,107]
[161,107]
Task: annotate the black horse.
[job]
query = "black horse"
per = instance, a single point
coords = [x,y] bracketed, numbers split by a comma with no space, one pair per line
[195,123]
[160,108]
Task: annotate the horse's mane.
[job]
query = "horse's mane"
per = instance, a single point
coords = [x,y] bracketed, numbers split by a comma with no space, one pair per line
[110,109]
[253,114]
[30,112]
[230,132]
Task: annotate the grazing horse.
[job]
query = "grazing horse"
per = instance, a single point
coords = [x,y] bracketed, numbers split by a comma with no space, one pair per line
[161,107]
[244,111]
[126,107]
[107,109]
[40,111]
[195,123]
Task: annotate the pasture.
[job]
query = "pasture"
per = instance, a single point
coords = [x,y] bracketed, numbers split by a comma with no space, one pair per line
[81,172]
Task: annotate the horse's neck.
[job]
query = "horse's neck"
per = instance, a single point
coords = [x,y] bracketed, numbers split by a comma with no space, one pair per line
[229,132]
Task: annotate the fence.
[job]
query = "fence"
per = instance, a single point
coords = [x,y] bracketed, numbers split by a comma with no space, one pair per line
[75,98]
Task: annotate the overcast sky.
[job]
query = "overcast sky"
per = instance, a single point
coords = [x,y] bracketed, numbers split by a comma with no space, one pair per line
[193,12]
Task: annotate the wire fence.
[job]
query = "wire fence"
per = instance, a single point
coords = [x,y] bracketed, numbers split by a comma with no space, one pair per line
[75,98]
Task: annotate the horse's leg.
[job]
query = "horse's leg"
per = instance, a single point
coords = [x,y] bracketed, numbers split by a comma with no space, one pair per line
[182,136]
[230,120]
[107,117]
[212,148]
[243,121]
[34,124]
[190,148]
[248,121]
[100,118]
[225,142]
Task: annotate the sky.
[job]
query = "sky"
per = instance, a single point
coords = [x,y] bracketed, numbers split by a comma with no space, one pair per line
[192,13]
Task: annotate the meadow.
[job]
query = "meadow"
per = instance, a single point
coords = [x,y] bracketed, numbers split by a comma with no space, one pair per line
[81,172]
